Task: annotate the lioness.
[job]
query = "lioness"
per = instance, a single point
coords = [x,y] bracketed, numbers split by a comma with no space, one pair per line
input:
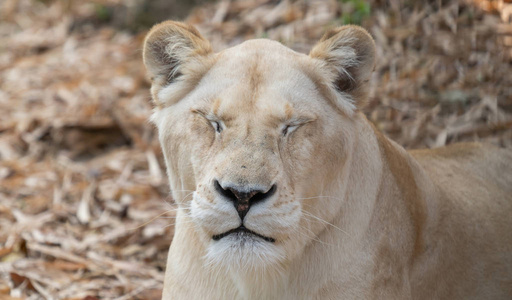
[286,191]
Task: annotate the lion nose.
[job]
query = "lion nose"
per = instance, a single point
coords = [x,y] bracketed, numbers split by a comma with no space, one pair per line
[243,198]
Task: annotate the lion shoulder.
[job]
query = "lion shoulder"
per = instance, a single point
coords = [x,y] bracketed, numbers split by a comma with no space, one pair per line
[473,176]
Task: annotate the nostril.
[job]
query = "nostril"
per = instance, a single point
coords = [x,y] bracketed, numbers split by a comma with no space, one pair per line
[258,197]
[224,192]
[242,198]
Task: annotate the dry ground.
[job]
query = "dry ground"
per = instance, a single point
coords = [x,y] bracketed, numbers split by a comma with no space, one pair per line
[84,206]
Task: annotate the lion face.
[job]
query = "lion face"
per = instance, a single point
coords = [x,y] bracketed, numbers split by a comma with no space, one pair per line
[253,136]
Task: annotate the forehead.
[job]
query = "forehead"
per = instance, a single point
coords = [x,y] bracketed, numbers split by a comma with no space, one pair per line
[258,73]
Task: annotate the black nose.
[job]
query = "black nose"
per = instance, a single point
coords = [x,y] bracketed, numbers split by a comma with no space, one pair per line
[243,198]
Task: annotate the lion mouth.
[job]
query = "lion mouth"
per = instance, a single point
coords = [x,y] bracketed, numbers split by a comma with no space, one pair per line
[242,231]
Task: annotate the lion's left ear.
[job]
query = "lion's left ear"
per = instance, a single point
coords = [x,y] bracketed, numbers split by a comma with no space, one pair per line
[347,57]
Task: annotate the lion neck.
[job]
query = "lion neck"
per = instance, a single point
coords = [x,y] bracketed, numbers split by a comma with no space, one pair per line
[379,188]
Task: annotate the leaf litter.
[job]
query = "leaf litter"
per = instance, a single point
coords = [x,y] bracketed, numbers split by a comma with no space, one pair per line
[85,211]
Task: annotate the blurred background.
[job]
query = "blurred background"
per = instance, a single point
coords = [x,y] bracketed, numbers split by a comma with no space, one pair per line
[85,211]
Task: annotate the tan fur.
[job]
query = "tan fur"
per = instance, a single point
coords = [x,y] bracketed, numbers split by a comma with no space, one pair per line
[173,47]
[354,215]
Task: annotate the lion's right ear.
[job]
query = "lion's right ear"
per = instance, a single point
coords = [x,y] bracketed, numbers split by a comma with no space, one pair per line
[173,50]
[347,57]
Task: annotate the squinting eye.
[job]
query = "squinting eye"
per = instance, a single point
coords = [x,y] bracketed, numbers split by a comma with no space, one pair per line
[285,129]
[288,128]
[216,125]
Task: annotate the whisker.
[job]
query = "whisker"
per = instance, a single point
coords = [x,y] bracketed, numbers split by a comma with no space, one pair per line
[146,223]
[306,213]
[319,197]
[166,203]
[182,199]
[194,225]
[173,209]
[312,237]
[183,190]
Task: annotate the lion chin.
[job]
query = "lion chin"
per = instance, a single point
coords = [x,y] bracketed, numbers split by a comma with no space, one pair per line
[241,249]
[286,191]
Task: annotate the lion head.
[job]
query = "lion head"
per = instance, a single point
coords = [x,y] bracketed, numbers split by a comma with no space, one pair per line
[254,135]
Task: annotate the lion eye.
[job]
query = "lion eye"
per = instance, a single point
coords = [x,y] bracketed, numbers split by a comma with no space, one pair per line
[288,129]
[216,125]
